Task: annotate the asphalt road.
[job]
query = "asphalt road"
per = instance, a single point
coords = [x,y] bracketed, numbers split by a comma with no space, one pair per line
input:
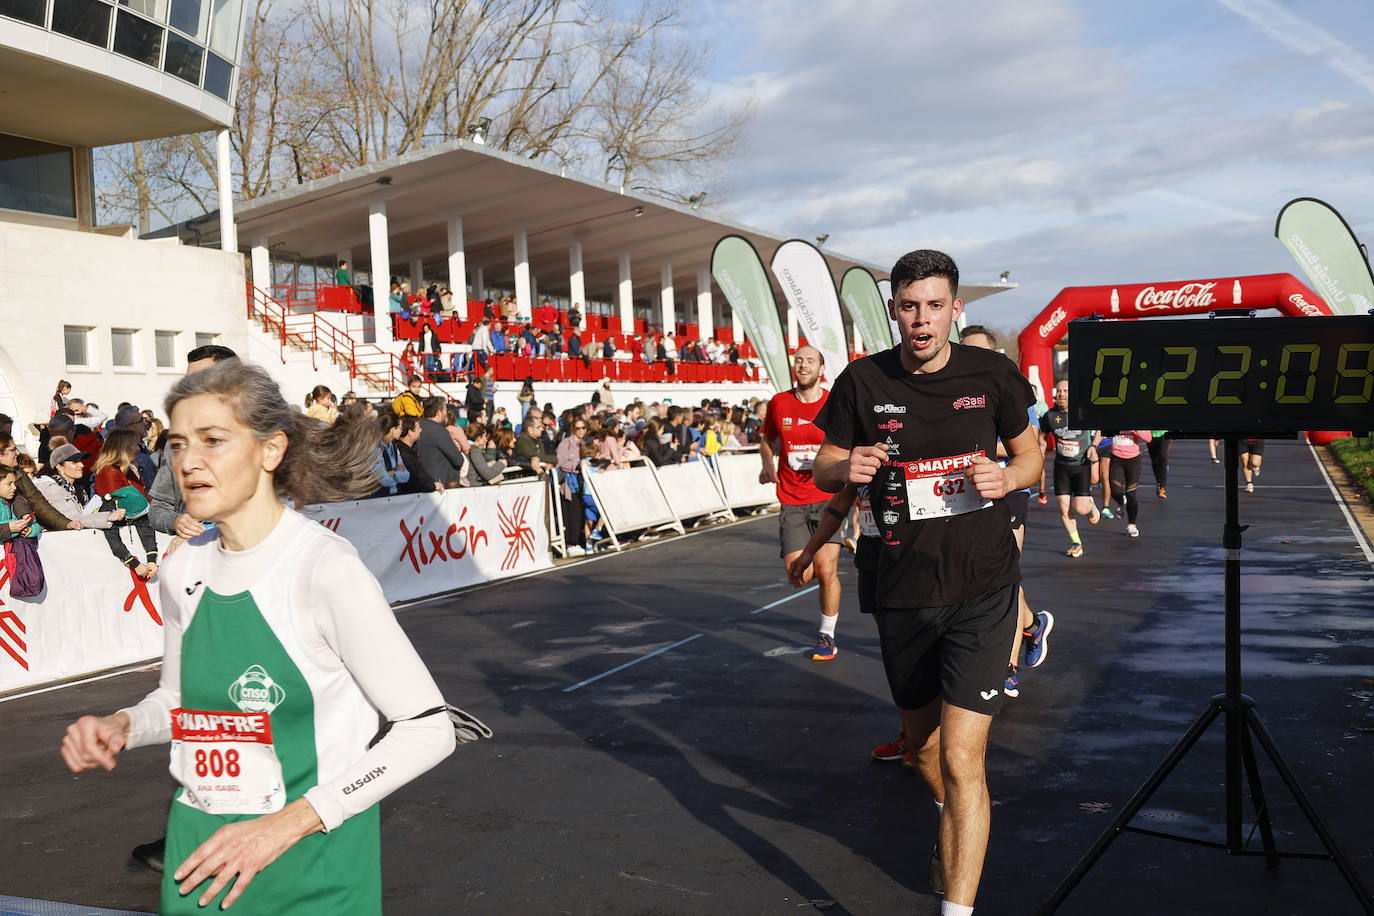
[730,774]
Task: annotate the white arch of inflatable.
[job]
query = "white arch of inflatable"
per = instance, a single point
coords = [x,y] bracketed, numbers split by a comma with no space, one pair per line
[1154,300]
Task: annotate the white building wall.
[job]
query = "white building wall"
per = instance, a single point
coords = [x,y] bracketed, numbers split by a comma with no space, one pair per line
[51,278]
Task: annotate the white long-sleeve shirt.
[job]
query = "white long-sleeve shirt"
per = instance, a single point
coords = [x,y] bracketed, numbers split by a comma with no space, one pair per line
[342,620]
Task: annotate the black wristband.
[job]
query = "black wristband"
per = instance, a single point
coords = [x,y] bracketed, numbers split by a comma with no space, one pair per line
[831,510]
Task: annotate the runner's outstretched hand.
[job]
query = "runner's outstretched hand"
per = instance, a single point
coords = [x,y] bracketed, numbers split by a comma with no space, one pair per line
[864,461]
[988,477]
[93,741]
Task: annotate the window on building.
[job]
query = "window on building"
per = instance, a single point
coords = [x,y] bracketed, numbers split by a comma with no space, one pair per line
[122,348]
[218,75]
[153,9]
[30,11]
[84,20]
[183,58]
[36,177]
[165,343]
[225,27]
[139,39]
[205,340]
[76,340]
[190,17]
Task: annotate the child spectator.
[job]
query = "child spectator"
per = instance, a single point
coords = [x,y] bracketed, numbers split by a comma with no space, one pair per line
[118,485]
[12,525]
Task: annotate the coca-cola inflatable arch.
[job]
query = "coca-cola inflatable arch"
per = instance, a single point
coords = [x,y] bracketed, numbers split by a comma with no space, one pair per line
[1154,300]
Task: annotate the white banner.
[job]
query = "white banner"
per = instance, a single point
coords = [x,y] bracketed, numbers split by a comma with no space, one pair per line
[94,614]
[739,479]
[630,498]
[691,489]
[810,289]
[885,290]
[421,545]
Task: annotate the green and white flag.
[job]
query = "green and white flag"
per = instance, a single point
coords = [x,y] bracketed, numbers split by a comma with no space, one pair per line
[859,293]
[738,271]
[807,283]
[1328,252]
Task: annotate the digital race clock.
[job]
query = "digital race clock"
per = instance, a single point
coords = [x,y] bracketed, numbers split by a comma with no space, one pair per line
[1248,376]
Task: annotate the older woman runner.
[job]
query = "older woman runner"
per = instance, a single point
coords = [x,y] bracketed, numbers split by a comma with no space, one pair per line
[280,651]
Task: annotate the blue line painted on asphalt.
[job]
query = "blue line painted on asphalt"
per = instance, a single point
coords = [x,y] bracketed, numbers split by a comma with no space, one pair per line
[805,591]
[635,662]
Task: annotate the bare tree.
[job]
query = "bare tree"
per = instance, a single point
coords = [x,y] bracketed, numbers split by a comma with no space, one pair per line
[326,85]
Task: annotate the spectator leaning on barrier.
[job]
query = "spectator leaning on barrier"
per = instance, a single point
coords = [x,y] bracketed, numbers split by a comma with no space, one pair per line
[570,487]
[483,465]
[529,445]
[14,521]
[420,481]
[117,483]
[408,402]
[657,445]
[437,452]
[388,466]
[62,487]
[47,516]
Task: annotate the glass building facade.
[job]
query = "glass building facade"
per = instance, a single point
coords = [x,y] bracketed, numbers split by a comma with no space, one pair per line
[193,40]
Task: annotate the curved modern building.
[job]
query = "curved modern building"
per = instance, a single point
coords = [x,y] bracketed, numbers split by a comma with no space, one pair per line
[93,304]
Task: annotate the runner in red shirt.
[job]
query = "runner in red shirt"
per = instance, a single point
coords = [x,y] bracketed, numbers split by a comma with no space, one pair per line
[788,446]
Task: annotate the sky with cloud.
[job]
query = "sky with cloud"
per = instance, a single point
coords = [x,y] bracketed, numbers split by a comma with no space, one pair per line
[1072,142]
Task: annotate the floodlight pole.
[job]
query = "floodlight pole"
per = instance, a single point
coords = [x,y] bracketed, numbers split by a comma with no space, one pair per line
[1242,722]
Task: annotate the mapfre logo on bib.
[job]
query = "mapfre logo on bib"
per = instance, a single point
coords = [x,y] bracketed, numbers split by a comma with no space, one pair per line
[255,691]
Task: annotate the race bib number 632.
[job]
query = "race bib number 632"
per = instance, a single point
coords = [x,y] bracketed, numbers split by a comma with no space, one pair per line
[936,487]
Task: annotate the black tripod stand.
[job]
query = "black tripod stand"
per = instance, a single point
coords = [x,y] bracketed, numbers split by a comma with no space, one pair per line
[1242,725]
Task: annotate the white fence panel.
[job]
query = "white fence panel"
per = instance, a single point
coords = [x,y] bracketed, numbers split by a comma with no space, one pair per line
[739,480]
[629,499]
[691,489]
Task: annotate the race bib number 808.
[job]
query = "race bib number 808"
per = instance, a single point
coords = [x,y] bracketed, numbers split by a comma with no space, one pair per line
[225,762]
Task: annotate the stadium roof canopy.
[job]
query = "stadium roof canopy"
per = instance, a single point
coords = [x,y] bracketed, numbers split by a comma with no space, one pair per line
[496,196]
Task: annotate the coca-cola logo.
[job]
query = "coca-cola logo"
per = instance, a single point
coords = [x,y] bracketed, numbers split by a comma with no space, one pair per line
[1188,296]
[1304,306]
[1053,321]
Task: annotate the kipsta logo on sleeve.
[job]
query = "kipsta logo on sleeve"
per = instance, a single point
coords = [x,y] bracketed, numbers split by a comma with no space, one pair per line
[255,691]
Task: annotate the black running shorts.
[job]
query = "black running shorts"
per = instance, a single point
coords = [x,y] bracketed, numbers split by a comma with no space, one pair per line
[955,651]
[796,524]
[1072,479]
[1018,503]
[1253,446]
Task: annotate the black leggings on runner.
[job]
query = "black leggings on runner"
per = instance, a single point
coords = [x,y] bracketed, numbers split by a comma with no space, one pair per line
[1125,476]
[1159,459]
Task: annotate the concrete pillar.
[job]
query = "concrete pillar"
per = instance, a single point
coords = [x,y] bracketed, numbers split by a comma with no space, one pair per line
[457,266]
[858,341]
[524,295]
[706,316]
[625,296]
[380,245]
[261,260]
[736,328]
[793,337]
[228,234]
[577,286]
[479,291]
[417,275]
[666,301]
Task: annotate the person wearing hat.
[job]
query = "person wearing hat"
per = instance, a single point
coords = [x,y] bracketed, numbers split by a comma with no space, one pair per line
[61,486]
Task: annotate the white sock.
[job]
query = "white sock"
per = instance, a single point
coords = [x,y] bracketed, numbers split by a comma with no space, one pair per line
[828,625]
[955,909]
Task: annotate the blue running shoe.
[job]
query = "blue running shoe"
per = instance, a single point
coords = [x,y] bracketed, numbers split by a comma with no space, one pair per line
[825,648]
[1107,512]
[1012,687]
[1038,645]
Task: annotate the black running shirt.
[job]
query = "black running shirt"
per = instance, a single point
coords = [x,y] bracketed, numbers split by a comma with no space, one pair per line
[942,543]
[1070,444]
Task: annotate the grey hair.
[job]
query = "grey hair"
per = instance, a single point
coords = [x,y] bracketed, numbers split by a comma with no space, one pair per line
[321,463]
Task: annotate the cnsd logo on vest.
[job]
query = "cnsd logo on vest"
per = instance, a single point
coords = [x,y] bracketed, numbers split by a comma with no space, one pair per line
[255,691]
